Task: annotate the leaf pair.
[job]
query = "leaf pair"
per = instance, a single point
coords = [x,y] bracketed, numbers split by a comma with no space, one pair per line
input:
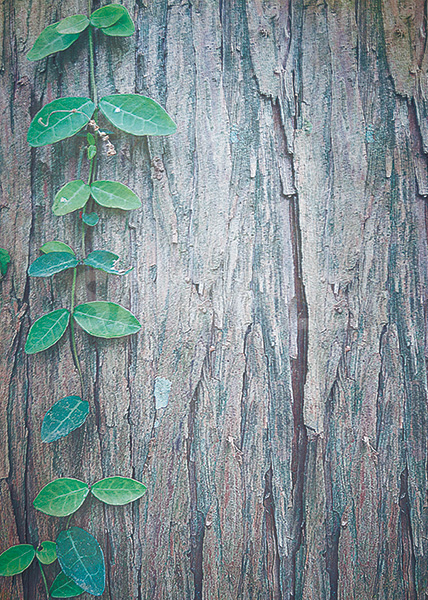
[111,194]
[17,558]
[62,497]
[100,319]
[113,20]
[54,262]
[132,113]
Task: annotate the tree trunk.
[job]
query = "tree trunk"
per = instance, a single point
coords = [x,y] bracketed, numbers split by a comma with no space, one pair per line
[280,276]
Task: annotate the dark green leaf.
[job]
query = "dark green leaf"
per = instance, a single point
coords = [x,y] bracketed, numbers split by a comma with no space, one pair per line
[72,196]
[47,330]
[106,319]
[105,261]
[4,261]
[59,119]
[107,15]
[118,490]
[113,194]
[137,114]
[74,24]
[122,28]
[81,558]
[63,417]
[61,497]
[51,263]
[64,587]
[90,219]
[51,41]
[46,553]
[16,559]
[56,247]
[90,139]
[92,151]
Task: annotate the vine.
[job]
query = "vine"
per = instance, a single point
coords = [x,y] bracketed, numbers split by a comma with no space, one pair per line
[79,555]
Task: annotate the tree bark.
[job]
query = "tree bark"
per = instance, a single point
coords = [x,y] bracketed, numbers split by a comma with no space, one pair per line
[280,276]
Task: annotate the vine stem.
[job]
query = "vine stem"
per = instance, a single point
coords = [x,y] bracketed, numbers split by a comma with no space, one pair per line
[73,338]
[94,93]
[44,579]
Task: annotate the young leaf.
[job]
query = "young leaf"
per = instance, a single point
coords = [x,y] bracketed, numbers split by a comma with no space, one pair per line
[63,417]
[51,263]
[118,490]
[56,247]
[81,559]
[16,559]
[59,119]
[122,28]
[137,114]
[113,194]
[73,24]
[107,15]
[90,219]
[47,553]
[51,41]
[64,587]
[92,151]
[47,330]
[105,261]
[4,261]
[72,196]
[61,497]
[90,139]
[105,319]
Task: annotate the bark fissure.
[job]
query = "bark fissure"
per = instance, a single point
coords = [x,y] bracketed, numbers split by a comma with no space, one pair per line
[271,539]
[408,561]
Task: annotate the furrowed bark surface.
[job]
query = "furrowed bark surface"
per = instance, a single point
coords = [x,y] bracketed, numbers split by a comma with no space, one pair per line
[280,277]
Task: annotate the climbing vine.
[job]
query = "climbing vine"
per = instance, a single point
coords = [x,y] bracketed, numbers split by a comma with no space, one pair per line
[78,553]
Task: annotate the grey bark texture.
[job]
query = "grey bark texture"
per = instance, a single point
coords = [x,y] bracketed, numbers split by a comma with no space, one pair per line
[280,274]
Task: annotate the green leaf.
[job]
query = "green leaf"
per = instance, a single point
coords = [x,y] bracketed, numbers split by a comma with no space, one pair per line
[51,41]
[47,330]
[92,151]
[81,558]
[137,114]
[51,263]
[46,553]
[106,319]
[118,490]
[105,261]
[107,15]
[61,497]
[74,24]
[113,194]
[59,119]
[63,417]
[72,196]
[90,219]
[4,261]
[122,28]
[64,587]
[90,139]
[16,559]
[56,246]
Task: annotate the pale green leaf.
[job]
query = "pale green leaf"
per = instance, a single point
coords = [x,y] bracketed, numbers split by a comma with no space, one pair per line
[64,587]
[47,330]
[73,24]
[118,490]
[51,41]
[107,15]
[105,261]
[90,139]
[92,152]
[72,196]
[90,219]
[137,114]
[51,263]
[56,246]
[122,28]
[81,558]
[16,559]
[59,119]
[4,261]
[63,417]
[106,319]
[61,497]
[113,194]
[46,552]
